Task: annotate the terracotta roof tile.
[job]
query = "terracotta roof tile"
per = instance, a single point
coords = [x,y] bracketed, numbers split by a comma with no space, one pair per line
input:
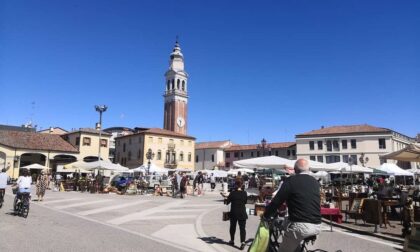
[158,131]
[213,145]
[90,131]
[255,146]
[345,129]
[35,141]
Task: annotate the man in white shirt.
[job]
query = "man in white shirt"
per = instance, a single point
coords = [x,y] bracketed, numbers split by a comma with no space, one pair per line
[3,184]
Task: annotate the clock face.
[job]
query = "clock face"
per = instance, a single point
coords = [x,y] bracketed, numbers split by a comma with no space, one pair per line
[180,121]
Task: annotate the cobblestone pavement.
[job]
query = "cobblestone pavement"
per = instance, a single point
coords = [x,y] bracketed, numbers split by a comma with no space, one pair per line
[74,221]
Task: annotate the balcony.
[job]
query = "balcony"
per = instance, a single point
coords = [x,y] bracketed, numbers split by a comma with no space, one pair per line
[171,164]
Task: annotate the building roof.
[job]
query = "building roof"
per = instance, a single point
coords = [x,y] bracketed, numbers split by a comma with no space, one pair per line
[345,129]
[17,128]
[213,145]
[89,131]
[280,145]
[158,131]
[35,141]
[118,129]
[53,129]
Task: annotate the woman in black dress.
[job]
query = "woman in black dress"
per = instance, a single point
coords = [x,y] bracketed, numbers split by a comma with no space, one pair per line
[237,198]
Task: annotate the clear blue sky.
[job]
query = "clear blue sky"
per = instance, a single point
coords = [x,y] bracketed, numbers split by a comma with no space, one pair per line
[257,69]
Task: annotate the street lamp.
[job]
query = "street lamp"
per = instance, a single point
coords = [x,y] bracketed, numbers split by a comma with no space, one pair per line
[100,109]
[264,146]
[149,155]
[363,160]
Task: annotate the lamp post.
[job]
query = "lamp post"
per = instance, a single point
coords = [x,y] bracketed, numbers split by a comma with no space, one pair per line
[350,162]
[264,146]
[100,109]
[363,160]
[149,155]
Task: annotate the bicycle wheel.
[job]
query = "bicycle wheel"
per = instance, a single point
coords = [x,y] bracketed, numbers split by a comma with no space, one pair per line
[25,211]
[18,208]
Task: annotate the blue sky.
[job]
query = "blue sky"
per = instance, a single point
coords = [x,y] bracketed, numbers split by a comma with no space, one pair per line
[257,69]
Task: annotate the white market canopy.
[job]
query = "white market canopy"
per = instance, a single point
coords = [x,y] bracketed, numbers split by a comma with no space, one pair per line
[153,169]
[97,165]
[216,173]
[346,168]
[272,162]
[242,170]
[35,167]
[318,166]
[411,153]
[393,169]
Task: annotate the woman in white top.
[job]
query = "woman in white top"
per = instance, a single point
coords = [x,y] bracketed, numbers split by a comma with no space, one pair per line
[24,182]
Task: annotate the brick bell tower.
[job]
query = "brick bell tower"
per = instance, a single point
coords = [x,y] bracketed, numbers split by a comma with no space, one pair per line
[176,93]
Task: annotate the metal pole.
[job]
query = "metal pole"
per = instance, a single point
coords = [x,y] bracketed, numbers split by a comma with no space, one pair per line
[100,129]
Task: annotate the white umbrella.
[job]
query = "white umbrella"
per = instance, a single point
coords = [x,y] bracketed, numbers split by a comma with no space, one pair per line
[242,170]
[97,165]
[411,153]
[35,167]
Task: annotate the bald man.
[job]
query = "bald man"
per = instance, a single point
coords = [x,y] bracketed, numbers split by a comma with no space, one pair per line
[302,195]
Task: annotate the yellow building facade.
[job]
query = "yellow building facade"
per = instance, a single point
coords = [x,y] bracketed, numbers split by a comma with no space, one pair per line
[171,150]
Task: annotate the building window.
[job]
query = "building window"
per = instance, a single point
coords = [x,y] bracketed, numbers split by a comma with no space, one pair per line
[77,141]
[252,153]
[332,159]
[181,156]
[139,154]
[227,164]
[320,145]
[196,158]
[277,153]
[173,84]
[329,145]
[320,159]
[177,84]
[353,143]
[160,140]
[382,144]
[189,157]
[104,143]
[242,154]
[183,85]
[86,141]
[311,145]
[354,159]
[150,139]
[288,152]
[336,146]
[159,155]
[236,154]
[129,155]
[227,154]
[293,152]
[346,158]
[258,153]
[212,157]
[313,158]
[129,141]
[123,147]
[344,144]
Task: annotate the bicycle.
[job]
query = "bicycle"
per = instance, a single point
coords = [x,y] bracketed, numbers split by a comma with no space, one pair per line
[277,226]
[21,204]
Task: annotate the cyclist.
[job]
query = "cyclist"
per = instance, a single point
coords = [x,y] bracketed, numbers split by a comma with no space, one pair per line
[24,184]
[301,193]
[3,184]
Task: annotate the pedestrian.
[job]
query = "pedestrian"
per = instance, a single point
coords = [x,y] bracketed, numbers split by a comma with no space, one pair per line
[41,185]
[237,200]
[212,182]
[200,181]
[245,178]
[183,185]
[3,185]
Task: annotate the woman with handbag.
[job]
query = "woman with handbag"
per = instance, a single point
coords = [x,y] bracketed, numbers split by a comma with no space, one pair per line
[237,198]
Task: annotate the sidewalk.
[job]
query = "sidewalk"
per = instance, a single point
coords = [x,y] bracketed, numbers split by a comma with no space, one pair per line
[389,233]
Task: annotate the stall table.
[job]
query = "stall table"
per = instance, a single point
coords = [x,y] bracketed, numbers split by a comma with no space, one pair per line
[332,212]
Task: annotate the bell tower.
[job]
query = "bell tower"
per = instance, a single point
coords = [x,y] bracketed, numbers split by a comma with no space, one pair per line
[176,93]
